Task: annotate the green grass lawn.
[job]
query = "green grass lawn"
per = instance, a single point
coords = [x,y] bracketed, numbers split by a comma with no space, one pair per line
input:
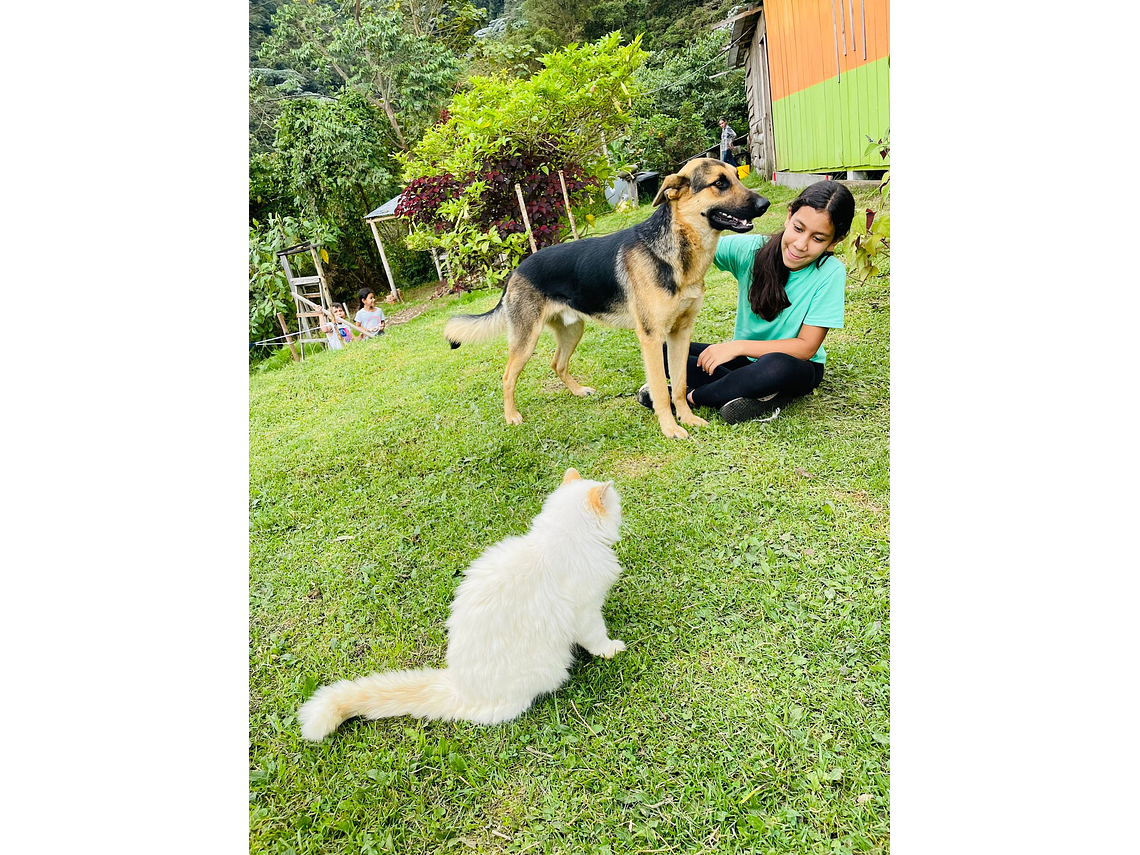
[751,710]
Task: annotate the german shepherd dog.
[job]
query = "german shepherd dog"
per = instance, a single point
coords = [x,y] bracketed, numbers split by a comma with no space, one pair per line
[649,278]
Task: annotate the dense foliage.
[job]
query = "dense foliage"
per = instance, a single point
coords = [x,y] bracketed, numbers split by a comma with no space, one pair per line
[677,115]
[503,131]
[684,80]
[422,198]
[867,249]
[384,51]
[268,287]
[545,206]
[581,97]
[351,101]
[479,239]
[330,164]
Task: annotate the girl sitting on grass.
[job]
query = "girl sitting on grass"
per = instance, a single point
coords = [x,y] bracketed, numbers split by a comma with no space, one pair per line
[791,294]
[369,316]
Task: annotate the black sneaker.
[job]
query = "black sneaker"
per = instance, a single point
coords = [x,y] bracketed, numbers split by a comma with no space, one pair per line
[646,400]
[748,409]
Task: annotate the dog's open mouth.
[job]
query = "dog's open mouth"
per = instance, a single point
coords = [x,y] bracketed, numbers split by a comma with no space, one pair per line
[724,220]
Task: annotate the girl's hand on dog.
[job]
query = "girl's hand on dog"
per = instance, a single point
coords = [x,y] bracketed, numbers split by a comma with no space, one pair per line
[717,354]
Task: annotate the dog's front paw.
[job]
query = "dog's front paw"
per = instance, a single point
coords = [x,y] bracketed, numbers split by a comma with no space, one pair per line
[583,391]
[514,418]
[674,431]
[613,647]
[690,419]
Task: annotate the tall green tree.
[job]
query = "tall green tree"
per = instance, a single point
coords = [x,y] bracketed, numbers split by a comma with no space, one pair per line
[396,55]
[501,130]
[580,99]
[566,18]
[333,157]
[684,92]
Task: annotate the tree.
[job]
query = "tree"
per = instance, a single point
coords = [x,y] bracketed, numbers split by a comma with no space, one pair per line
[676,117]
[400,61]
[567,18]
[580,98]
[461,175]
[332,156]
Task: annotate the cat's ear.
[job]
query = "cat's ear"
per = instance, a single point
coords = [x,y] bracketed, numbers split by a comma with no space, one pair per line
[571,475]
[596,498]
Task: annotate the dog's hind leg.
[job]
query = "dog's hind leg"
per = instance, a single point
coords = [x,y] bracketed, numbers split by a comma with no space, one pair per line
[522,337]
[567,336]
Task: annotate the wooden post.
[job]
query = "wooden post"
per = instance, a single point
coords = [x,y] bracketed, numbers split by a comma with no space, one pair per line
[566,198]
[526,219]
[383,258]
[435,258]
[288,337]
[326,296]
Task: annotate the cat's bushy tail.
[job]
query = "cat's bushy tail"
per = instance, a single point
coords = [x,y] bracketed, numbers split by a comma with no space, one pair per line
[428,693]
[471,329]
[424,694]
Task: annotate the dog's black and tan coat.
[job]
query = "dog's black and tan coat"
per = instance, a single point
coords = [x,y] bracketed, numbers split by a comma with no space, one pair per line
[649,278]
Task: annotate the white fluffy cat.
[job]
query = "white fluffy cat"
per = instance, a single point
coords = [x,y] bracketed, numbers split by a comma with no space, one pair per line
[517,614]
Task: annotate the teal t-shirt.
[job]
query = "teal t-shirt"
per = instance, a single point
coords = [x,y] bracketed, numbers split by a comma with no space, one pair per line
[816,294]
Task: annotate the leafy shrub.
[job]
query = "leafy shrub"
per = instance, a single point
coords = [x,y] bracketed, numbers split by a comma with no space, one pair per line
[460,177]
[869,243]
[479,236]
[422,197]
[867,247]
[537,174]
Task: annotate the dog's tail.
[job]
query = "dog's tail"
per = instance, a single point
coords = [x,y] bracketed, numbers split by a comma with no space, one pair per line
[471,329]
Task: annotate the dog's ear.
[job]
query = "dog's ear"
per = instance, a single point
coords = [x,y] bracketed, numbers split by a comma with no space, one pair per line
[671,188]
[571,475]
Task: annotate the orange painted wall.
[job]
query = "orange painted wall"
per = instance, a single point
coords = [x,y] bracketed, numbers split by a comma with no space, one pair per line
[802,41]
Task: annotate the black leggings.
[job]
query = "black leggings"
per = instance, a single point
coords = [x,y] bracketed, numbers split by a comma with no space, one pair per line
[778,373]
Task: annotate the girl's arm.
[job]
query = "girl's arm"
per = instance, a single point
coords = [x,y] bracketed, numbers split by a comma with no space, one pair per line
[802,346]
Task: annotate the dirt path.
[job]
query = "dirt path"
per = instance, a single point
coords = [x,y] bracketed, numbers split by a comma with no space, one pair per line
[405,315]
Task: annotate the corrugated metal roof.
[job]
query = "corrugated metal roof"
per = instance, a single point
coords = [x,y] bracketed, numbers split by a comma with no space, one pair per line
[743,26]
[386,211]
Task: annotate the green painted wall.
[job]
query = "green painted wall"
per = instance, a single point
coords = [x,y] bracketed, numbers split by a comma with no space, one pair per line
[825,127]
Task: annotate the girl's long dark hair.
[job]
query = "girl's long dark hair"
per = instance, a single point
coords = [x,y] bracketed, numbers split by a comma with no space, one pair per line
[767,295]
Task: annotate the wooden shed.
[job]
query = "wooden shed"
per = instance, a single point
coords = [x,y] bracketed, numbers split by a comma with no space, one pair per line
[817,74]
[387,211]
